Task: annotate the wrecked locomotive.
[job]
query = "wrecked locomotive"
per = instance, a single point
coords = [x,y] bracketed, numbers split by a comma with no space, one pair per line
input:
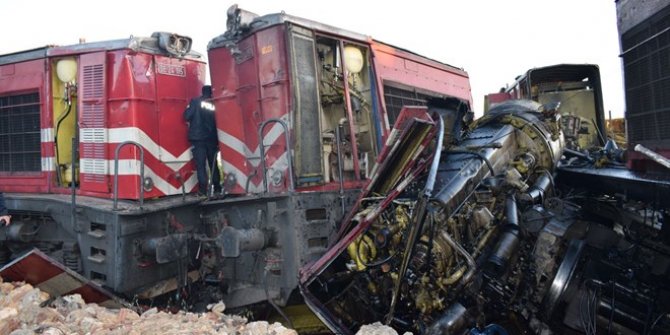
[500,226]
[97,171]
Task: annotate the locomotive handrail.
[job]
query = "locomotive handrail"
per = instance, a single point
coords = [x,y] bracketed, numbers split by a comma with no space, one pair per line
[116,172]
[288,152]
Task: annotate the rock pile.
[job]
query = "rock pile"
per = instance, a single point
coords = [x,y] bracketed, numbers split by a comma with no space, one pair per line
[378,329]
[23,312]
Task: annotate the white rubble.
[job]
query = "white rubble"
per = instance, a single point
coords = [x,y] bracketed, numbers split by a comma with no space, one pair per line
[22,313]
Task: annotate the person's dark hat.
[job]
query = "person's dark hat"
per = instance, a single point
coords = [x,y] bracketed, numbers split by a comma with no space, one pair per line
[207,90]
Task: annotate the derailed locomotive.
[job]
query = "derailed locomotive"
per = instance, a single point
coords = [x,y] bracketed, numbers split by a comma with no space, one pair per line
[97,171]
[496,227]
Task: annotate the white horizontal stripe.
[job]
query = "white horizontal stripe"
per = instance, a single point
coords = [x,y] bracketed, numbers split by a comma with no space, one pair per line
[93,135]
[48,164]
[46,135]
[129,167]
[119,135]
[94,166]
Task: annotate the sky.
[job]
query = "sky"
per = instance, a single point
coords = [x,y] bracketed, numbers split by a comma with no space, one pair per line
[494,41]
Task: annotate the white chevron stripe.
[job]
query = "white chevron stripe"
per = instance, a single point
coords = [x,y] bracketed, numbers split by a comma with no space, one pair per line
[235,144]
[118,135]
[280,164]
[132,167]
[276,130]
[241,178]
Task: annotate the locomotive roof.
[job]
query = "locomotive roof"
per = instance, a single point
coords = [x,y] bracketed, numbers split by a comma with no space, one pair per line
[242,23]
[141,44]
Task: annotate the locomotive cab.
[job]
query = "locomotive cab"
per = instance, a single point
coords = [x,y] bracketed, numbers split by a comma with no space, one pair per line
[333,91]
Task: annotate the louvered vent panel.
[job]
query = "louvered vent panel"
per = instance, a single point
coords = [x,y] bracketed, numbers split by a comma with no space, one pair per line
[93,132]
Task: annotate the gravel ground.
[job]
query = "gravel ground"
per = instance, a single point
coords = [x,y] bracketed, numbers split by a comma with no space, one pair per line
[25,310]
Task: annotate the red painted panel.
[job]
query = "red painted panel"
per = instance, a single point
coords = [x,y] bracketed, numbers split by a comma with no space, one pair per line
[248,98]
[132,116]
[248,89]
[40,270]
[273,72]
[146,102]
[26,77]
[228,116]
[496,98]
[236,97]
[174,89]
[410,69]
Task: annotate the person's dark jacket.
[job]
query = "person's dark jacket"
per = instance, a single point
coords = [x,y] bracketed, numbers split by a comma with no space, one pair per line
[3,208]
[200,116]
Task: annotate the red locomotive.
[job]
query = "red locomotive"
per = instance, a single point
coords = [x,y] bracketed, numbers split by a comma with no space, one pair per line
[303,110]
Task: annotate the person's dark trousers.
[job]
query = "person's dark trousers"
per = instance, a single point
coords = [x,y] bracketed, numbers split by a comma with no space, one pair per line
[204,155]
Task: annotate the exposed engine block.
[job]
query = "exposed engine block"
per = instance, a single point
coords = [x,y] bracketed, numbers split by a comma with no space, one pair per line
[487,242]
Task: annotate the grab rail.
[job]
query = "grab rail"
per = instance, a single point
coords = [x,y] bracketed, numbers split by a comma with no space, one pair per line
[116,172]
[288,152]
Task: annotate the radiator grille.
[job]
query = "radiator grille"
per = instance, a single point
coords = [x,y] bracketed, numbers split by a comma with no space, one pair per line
[646,61]
[395,98]
[20,133]
[309,165]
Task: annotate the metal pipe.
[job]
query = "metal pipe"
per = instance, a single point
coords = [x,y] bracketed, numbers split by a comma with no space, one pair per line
[340,174]
[288,152]
[350,116]
[116,172]
[509,239]
[653,155]
[418,219]
[59,178]
[575,153]
[251,176]
[73,184]
[183,190]
[179,178]
[511,211]
[434,165]
[469,259]
[536,193]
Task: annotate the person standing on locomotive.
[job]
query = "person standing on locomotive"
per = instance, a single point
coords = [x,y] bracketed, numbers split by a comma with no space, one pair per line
[5,218]
[199,116]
